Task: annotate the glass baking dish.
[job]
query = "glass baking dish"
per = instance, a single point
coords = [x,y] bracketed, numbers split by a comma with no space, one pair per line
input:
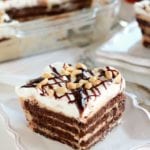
[79,28]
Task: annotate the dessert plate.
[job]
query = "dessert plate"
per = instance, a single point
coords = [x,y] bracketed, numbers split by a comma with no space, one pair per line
[132,133]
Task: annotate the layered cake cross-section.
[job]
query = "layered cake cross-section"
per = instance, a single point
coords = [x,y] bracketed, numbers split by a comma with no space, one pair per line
[142,10]
[29,9]
[73,104]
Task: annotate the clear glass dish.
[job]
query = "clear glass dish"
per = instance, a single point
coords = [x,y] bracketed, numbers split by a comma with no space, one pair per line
[9,42]
[79,28]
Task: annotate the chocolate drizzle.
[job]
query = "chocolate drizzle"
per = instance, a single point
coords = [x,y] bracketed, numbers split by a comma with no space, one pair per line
[101,72]
[79,99]
[112,70]
[54,70]
[33,83]
[81,95]
[82,75]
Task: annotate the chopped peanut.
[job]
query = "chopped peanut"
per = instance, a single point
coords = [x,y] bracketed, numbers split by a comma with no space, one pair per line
[76,72]
[65,72]
[50,92]
[47,75]
[43,82]
[118,78]
[108,74]
[60,91]
[70,69]
[93,79]
[81,66]
[71,86]
[96,82]
[88,85]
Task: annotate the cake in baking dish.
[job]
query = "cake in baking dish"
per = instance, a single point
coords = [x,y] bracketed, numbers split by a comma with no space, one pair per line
[29,9]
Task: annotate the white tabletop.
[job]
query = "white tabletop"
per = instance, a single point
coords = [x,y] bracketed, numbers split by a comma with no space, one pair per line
[22,69]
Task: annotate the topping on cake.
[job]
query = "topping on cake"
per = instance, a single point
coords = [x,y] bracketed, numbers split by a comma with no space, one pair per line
[67,81]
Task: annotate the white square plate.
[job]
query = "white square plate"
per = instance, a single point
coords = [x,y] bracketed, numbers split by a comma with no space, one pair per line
[133,131]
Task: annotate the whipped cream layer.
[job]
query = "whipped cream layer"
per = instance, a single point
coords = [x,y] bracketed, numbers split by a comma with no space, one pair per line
[143,8]
[92,99]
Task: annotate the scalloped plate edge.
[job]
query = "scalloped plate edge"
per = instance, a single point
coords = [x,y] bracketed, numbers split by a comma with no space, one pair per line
[136,104]
[10,129]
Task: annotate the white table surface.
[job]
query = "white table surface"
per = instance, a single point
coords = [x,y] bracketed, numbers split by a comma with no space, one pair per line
[23,68]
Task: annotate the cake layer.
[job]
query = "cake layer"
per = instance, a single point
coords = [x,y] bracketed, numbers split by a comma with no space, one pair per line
[71,129]
[34,109]
[100,135]
[66,133]
[54,137]
[63,132]
[82,134]
[84,145]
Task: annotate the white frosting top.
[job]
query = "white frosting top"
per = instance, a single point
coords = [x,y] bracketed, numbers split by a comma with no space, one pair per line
[107,92]
[143,8]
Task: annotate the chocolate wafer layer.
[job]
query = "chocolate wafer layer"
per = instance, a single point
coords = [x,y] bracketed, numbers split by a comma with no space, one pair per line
[48,124]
